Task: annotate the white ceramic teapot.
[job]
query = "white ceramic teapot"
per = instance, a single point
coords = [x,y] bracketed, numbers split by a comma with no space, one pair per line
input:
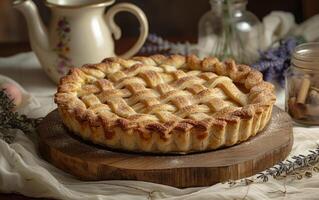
[78,32]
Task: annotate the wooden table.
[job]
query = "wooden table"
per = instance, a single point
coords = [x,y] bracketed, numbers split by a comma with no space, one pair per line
[12,48]
[122,45]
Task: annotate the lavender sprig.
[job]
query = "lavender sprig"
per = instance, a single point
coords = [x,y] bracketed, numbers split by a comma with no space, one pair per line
[274,62]
[10,120]
[298,166]
[290,167]
[156,44]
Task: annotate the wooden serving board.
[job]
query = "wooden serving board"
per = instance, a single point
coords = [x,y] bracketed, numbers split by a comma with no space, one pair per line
[91,162]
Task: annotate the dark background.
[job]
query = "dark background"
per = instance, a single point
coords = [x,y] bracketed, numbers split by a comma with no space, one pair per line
[169,18]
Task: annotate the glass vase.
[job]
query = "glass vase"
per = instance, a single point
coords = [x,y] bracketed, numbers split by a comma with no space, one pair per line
[228,30]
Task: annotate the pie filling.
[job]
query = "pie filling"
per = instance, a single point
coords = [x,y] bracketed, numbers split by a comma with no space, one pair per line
[165,104]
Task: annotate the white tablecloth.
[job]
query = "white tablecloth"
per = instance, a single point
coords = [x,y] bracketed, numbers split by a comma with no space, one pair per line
[23,171]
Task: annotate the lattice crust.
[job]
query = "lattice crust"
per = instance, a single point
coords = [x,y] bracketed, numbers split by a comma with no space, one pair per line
[165,104]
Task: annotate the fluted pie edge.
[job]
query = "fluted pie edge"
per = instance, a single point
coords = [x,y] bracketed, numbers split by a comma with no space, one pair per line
[225,127]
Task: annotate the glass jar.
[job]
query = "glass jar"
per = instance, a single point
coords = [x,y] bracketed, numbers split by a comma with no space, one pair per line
[228,30]
[302,84]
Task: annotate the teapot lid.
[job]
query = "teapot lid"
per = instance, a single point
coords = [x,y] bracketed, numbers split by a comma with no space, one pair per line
[78,3]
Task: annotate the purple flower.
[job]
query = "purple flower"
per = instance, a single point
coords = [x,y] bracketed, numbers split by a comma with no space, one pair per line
[60,45]
[61,23]
[67,30]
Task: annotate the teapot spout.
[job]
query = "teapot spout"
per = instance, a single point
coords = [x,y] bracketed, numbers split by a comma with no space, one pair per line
[37,31]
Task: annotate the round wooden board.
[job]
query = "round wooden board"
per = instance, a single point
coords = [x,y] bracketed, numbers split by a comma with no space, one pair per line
[91,162]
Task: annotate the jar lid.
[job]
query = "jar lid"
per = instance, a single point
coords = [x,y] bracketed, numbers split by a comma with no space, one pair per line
[306,56]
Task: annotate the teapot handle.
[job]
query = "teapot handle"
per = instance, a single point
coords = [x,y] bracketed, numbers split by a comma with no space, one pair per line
[128,7]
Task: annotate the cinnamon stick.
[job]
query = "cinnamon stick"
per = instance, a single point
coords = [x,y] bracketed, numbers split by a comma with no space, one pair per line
[303,91]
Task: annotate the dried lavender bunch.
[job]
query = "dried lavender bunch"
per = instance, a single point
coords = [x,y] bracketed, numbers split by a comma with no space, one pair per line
[297,167]
[301,163]
[274,62]
[10,119]
[156,44]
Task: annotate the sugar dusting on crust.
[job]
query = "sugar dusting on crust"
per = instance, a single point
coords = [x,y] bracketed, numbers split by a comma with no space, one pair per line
[260,95]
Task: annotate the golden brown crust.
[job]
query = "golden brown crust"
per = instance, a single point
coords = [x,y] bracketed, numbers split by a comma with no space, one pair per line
[165,104]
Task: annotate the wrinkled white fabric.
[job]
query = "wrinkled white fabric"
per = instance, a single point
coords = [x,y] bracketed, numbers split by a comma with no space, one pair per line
[309,29]
[23,171]
[277,25]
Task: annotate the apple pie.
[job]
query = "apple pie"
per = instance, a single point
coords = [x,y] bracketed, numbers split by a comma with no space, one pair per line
[165,104]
